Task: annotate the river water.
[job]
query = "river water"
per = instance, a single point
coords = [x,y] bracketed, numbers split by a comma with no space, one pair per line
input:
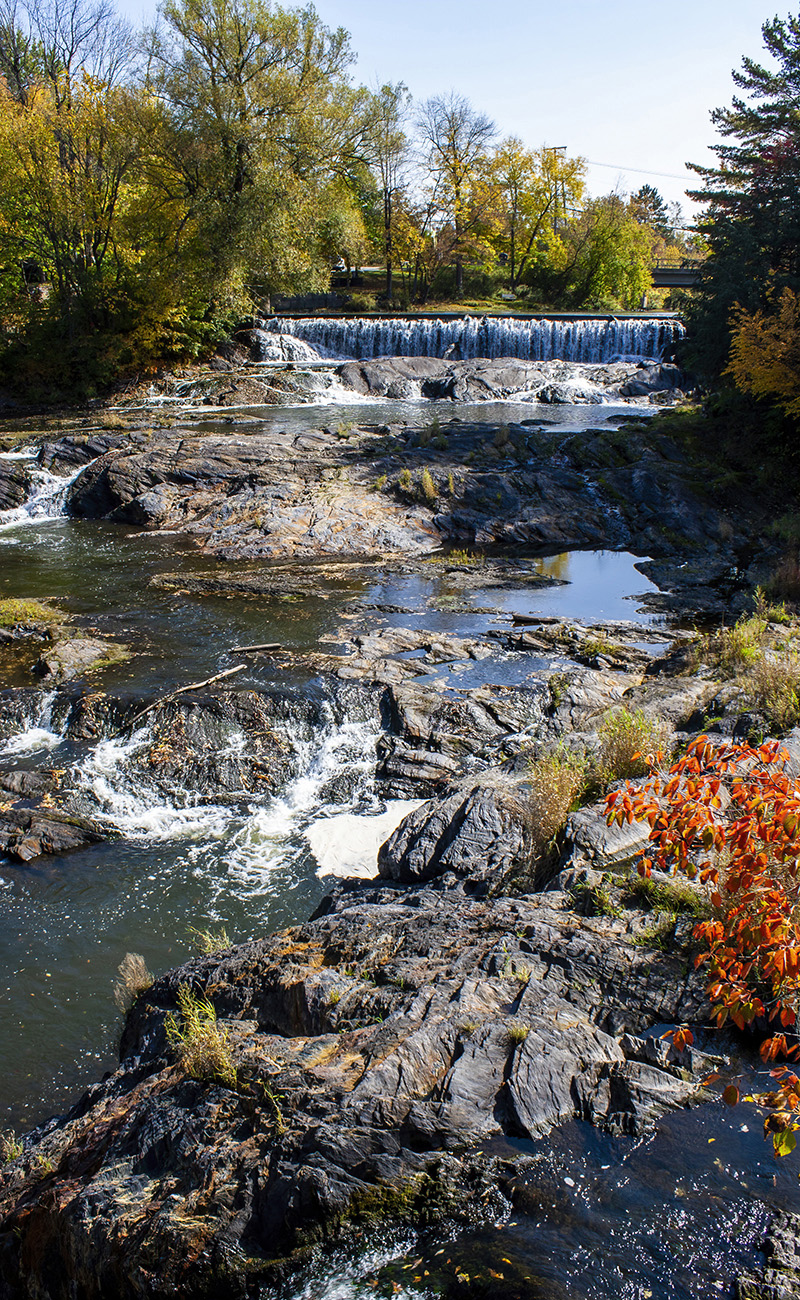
[677,1214]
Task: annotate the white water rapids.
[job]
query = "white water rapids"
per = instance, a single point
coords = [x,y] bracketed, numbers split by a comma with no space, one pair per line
[47,496]
[250,836]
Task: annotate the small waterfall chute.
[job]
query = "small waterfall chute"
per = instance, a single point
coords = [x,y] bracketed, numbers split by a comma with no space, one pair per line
[47,498]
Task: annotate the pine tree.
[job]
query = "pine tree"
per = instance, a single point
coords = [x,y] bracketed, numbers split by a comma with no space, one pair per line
[752,222]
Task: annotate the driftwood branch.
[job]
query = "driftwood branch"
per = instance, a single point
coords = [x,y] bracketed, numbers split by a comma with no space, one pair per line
[193,686]
[267,648]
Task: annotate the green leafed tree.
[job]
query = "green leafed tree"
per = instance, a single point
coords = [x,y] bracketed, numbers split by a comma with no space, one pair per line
[539,191]
[455,141]
[259,124]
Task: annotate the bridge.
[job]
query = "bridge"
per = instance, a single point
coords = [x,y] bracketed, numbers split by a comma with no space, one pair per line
[680,275]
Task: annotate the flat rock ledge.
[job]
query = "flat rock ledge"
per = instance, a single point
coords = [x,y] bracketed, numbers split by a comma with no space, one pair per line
[381,1050]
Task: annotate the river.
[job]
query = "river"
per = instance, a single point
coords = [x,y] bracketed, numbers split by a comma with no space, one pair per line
[677,1214]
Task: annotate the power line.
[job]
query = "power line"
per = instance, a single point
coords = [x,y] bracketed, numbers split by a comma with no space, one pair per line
[617,167]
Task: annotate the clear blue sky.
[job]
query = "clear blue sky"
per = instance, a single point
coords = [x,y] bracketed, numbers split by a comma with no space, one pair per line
[621,82]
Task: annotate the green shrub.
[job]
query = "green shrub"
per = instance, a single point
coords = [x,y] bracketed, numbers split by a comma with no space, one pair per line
[626,741]
[201,1046]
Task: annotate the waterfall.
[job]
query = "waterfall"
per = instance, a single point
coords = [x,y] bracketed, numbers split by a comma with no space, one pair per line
[47,498]
[600,339]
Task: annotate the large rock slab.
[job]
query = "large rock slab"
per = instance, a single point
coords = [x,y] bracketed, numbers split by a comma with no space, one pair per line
[378,1049]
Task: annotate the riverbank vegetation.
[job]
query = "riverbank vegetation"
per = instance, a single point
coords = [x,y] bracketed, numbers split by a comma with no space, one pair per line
[157,187]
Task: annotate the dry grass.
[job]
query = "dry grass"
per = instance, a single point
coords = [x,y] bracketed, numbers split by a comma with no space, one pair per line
[785,581]
[556,781]
[133,979]
[201,1046]
[626,741]
[772,688]
[427,487]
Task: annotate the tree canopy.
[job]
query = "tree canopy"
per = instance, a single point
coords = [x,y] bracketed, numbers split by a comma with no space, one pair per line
[155,187]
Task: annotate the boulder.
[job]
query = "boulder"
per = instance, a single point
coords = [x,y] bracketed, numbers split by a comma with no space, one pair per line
[71,658]
[478,834]
[15,482]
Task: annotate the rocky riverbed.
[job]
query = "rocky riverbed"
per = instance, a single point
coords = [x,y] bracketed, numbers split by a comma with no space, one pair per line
[394,1059]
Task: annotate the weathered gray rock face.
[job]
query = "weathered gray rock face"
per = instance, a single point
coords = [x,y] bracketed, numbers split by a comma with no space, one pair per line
[15,481]
[433,737]
[74,656]
[377,1050]
[781,1277]
[28,833]
[477,379]
[591,841]
[36,819]
[477,833]
[256,496]
[224,743]
[322,493]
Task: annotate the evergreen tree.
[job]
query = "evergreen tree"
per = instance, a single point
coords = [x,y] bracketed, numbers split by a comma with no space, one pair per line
[648,207]
[752,223]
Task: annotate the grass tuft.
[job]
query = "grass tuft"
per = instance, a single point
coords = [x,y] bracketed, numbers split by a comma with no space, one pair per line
[201,1046]
[557,780]
[133,979]
[627,740]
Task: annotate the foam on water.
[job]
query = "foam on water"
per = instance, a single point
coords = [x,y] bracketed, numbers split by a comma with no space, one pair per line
[250,839]
[32,740]
[347,844]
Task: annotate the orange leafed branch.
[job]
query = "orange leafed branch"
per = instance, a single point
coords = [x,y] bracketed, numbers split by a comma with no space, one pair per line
[730,815]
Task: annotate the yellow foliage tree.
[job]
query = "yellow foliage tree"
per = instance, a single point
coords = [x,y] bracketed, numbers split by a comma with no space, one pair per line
[765,352]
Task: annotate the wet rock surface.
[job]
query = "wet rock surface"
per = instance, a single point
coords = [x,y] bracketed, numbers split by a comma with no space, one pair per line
[377,1049]
[781,1277]
[253,492]
[475,380]
[15,481]
[37,819]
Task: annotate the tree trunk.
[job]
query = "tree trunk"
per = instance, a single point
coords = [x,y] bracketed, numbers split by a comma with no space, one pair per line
[387,227]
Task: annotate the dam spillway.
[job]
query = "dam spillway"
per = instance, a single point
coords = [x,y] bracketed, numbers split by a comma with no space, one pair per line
[592,339]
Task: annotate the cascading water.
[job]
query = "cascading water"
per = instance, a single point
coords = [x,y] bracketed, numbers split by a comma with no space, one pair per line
[601,339]
[47,498]
[250,836]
